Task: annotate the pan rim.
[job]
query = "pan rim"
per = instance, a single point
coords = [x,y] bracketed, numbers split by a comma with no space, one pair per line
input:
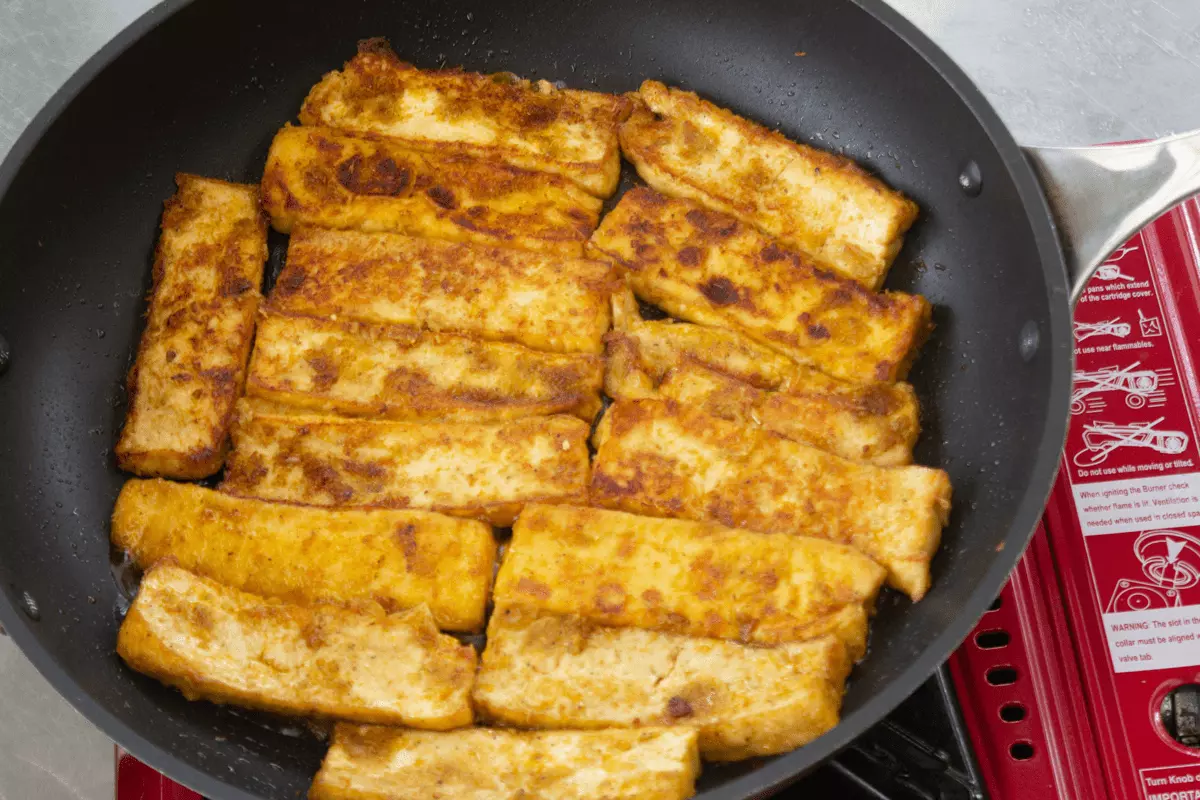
[789,767]
[780,770]
[15,623]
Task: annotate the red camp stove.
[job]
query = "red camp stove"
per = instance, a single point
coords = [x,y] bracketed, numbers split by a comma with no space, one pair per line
[1083,680]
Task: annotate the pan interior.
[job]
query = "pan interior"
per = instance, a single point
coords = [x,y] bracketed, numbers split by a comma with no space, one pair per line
[204,92]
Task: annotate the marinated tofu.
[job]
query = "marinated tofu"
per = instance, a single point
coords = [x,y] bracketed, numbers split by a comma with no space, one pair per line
[300,554]
[823,205]
[531,124]
[376,763]
[875,422]
[660,458]
[704,266]
[191,362]
[639,353]
[541,300]
[366,369]
[216,643]
[337,179]
[729,376]
[486,471]
[692,578]
[547,671]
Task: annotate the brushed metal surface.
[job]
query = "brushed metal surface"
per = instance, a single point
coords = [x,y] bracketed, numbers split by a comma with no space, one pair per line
[1103,195]
[1060,72]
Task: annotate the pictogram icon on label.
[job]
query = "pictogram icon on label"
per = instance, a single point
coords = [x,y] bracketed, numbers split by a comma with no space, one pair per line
[1149,326]
[1139,387]
[1108,327]
[1102,438]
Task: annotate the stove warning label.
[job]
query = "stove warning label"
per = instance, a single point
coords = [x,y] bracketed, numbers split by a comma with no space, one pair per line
[1134,469]
[1172,783]
[1154,639]
[1136,504]
[1125,517]
[1151,615]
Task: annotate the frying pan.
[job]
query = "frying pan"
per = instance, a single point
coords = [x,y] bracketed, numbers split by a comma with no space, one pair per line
[201,87]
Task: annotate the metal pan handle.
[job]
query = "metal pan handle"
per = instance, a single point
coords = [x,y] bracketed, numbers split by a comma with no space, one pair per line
[1103,195]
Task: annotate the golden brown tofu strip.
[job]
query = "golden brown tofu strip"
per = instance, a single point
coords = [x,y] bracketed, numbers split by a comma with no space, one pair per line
[875,422]
[544,671]
[639,353]
[692,578]
[398,559]
[706,267]
[374,763]
[220,644]
[486,471]
[530,124]
[544,301]
[337,179]
[731,377]
[658,457]
[823,205]
[191,361]
[365,369]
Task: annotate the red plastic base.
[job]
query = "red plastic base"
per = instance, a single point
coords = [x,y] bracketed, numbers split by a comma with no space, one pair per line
[136,781]
[1019,685]
[1091,725]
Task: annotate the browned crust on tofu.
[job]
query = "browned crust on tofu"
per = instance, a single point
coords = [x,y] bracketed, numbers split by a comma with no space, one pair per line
[485,471]
[639,353]
[337,179]
[376,763]
[365,369]
[821,204]
[875,422]
[300,554]
[691,578]
[547,671]
[216,643]
[540,300]
[529,124]
[657,457]
[191,360]
[707,267]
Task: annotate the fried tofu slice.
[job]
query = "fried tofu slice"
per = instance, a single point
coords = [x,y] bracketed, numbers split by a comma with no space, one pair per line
[216,643]
[191,362]
[543,301]
[546,671]
[823,205]
[336,179]
[486,471]
[661,458]
[876,422]
[732,377]
[529,124]
[396,559]
[691,578]
[366,369]
[704,266]
[639,353]
[376,763]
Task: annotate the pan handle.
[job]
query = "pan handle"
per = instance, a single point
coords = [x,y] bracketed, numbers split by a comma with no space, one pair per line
[1101,196]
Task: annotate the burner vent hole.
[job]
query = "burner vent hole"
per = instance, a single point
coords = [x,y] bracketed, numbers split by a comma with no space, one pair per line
[990,640]
[1021,751]
[1012,712]
[1001,676]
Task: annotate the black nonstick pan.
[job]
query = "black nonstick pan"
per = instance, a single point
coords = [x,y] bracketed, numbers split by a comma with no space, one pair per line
[202,87]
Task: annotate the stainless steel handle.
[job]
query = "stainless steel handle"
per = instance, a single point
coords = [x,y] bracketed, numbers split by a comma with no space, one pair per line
[1103,195]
